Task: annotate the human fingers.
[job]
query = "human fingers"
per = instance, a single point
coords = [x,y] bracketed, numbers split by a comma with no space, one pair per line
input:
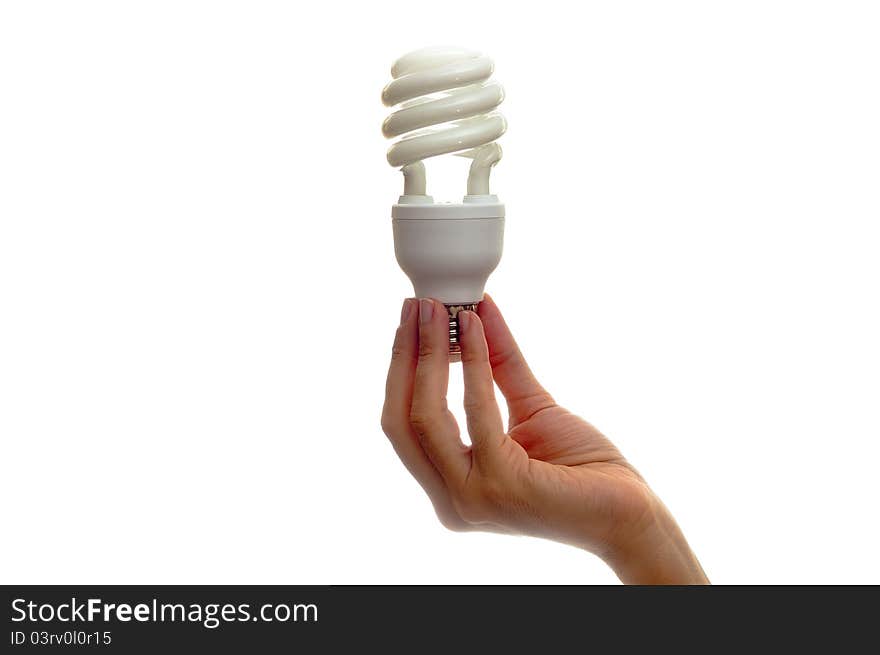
[429,415]
[484,421]
[524,394]
[395,417]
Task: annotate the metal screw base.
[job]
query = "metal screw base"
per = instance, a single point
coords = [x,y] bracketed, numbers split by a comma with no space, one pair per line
[452,310]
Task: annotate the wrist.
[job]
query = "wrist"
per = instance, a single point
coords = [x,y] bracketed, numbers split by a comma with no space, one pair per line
[657,554]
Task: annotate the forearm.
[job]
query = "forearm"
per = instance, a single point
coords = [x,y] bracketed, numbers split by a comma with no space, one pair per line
[659,555]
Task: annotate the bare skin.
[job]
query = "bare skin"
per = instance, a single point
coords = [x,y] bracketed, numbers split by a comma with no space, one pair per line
[549,474]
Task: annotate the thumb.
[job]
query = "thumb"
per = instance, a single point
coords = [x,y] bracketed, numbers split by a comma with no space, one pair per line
[483,416]
[525,395]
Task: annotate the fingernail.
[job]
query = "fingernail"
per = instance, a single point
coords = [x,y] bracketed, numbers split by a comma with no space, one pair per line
[406,310]
[426,310]
[464,320]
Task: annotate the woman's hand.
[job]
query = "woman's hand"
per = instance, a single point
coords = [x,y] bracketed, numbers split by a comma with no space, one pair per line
[551,474]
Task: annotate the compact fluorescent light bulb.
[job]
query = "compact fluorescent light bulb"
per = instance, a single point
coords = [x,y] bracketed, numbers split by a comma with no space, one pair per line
[444,102]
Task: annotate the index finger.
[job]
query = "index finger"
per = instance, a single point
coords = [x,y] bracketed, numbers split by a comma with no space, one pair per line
[430,417]
[398,398]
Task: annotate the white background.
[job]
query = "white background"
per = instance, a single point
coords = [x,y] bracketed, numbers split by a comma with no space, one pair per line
[198,290]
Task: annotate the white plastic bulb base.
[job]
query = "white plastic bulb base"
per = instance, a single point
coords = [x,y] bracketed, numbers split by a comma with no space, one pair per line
[448,250]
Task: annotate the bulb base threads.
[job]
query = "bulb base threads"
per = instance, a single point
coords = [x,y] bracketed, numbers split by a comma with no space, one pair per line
[452,310]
